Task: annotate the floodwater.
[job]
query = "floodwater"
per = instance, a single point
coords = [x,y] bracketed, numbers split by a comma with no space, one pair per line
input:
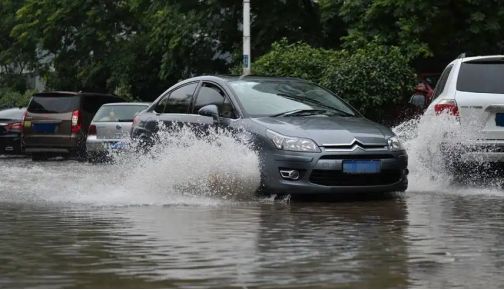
[190,219]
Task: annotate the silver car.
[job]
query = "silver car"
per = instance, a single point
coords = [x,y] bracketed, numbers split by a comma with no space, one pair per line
[309,140]
[110,128]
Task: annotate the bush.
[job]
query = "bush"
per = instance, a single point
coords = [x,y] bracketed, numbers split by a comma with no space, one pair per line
[11,98]
[375,79]
[295,60]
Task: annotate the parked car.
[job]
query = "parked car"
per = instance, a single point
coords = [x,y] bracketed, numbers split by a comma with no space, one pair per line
[310,140]
[472,90]
[11,124]
[56,123]
[110,129]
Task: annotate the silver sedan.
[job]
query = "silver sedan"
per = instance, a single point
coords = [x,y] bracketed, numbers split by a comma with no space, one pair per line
[110,128]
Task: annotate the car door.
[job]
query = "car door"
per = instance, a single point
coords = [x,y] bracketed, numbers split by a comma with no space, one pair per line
[211,93]
[174,108]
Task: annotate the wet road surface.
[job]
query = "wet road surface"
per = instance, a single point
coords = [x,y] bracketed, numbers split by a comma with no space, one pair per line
[58,230]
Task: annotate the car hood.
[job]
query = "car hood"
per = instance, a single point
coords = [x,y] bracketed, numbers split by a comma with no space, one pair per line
[325,130]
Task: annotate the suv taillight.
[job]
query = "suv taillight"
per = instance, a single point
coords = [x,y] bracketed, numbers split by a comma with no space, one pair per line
[447,106]
[76,122]
[92,130]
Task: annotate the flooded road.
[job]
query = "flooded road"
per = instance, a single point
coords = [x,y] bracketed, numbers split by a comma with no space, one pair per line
[63,225]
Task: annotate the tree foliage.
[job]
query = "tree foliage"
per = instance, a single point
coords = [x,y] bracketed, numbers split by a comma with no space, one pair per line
[422,28]
[15,56]
[140,47]
[371,77]
[296,60]
[12,98]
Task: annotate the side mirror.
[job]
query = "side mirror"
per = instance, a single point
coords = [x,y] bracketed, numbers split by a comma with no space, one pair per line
[418,100]
[210,111]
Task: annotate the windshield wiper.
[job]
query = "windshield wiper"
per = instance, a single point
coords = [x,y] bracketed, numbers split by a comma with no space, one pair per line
[300,112]
[296,98]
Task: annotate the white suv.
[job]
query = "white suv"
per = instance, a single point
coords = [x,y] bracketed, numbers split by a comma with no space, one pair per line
[471,90]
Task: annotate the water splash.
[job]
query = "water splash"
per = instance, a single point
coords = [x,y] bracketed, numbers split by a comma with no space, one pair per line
[181,168]
[432,142]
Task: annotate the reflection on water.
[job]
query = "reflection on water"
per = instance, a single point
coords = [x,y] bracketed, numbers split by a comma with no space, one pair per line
[245,245]
[455,239]
[421,240]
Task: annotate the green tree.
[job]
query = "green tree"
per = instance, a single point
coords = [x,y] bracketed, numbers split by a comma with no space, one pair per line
[423,28]
[15,57]
[80,41]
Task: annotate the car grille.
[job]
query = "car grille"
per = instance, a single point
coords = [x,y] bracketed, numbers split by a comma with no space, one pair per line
[338,178]
[358,157]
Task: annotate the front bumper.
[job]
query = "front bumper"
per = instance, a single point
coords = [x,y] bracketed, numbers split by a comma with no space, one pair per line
[322,173]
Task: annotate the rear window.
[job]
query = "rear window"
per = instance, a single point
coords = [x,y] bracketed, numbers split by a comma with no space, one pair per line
[481,77]
[123,113]
[56,104]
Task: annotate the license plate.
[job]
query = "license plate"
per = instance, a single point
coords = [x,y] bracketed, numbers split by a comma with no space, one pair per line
[499,119]
[44,128]
[361,166]
[118,146]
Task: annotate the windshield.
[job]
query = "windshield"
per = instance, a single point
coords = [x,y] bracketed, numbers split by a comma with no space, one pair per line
[122,113]
[287,97]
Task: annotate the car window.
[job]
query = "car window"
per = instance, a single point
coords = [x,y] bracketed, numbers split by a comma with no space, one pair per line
[118,113]
[56,104]
[210,94]
[178,101]
[481,77]
[442,81]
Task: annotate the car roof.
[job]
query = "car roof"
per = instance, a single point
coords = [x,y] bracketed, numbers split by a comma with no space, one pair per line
[483,58]
[66,93]
[128,104]
[228,78]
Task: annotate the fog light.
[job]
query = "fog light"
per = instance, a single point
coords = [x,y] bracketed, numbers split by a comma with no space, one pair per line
[290,174]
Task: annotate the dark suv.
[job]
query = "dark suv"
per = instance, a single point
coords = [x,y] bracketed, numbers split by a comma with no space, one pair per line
[309,140]
[56,123]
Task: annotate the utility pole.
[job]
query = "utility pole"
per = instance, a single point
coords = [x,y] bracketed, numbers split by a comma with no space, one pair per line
[246,38]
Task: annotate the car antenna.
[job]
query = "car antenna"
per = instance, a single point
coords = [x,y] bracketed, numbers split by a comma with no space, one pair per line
[462,55]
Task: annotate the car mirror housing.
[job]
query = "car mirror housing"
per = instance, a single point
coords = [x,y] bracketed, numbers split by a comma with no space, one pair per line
[210,111]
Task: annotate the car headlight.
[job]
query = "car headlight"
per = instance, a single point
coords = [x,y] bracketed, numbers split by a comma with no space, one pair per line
[292,143]
[394,144]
